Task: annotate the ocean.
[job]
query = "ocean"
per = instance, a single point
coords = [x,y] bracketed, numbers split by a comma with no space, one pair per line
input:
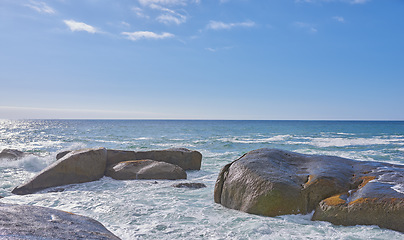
[143,209]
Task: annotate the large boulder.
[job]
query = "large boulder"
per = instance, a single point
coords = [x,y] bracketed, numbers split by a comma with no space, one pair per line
[274,182]
[11,154]
[31,222]
[185,158]
[145,169]
[76,167]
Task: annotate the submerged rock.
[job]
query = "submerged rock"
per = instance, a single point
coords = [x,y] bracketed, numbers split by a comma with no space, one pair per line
[189,185]
[185,158]
[145,169]
[274,182]
[31,222]
[12,154]
[76,167]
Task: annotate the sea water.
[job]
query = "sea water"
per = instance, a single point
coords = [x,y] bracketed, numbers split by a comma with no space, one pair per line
[144,209]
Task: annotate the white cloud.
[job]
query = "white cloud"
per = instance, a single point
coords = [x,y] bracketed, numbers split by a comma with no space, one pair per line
[134,36]
[170,16]
[309,27]
[80,26]
[140,13]
[339,19]
[358,1]
[168,19]
[163,2]
[347,1]
[218,49]
[215,25]
[40,7]
[125,24]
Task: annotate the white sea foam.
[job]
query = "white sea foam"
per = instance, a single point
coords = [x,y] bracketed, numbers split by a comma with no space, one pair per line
[343,142]
[276,138]
[398,188]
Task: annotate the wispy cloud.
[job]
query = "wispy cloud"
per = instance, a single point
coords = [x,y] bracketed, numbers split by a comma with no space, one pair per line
[218,49]
[40,7]
[346,1]
[216,25]
[339,19]
[140,13]
[169,19]
[80,26]
[163,2]
[134,36]
[307,26]
[169,16]
[358,1]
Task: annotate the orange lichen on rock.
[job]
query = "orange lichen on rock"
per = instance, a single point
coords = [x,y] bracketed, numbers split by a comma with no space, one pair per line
[310,180]
[334,200]
[363,200]
[365,180]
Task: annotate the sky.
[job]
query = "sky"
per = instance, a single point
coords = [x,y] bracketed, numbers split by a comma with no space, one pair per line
[202,59]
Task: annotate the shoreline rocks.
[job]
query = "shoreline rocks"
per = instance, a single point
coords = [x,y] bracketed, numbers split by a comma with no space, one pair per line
[91,164]
[32,222]
[274,182]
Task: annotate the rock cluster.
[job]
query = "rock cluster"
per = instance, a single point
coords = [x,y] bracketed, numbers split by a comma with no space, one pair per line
[274,182]
[91,164]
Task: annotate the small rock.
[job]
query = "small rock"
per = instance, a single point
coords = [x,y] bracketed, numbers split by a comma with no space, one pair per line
[189,185]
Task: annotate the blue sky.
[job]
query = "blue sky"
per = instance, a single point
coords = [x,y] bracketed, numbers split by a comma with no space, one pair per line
[202,59]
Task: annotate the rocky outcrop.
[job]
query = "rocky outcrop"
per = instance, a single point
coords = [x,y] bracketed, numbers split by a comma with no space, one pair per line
[145,169]
[11,154]
[76,167]
[186,159]
[274,182]
[30,222]
[91,164]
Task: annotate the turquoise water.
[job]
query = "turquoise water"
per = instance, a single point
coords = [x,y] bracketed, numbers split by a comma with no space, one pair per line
[144,210]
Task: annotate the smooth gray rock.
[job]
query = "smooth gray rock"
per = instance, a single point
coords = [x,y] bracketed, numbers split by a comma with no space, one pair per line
[76,167]
[145,169]
[31,222]
[274,182]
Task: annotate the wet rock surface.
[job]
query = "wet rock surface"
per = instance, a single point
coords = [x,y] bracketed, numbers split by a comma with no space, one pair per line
[274,182]
[31,222]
